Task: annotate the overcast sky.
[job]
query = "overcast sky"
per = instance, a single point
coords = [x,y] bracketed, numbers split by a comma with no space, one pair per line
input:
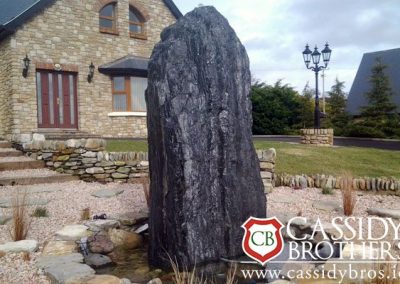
[275,32]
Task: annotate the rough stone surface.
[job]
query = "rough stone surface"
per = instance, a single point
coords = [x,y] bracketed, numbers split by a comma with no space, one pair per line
[100,244]
[203,165]
[107,193]
[68,272]
[385,213]
[99,225]
[58,260]
[20,246]
[4,219]
[326,205]
[125,239]
[96,260]
[59,248]
[72,233]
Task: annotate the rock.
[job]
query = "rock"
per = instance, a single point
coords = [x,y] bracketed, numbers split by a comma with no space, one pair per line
[125,281]
[123,170]
[59,248]
[107,193]
[96,260]
[100,244]
[200,142]
[327,205]
[38,137]
[89,160]
[155,281]
[127,219]
[58,260]
[102,225]
[385,213]
[330,182]
[302,182]
[125,239]
[4,219]
[119,175]
[105,279]
[20,246]
[95,170]
[8,202]
[74,143]
[69,272]
[95,144]
[119,163]
[89,154]
[72,233]
[63,158]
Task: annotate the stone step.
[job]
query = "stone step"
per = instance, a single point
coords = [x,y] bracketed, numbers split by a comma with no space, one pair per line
[10,152]
[5,144]
[19,163]
[36,179]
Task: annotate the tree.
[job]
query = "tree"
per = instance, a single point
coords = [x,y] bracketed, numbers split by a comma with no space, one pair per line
[307,107]
[379,118]
[337,116]
[276,109]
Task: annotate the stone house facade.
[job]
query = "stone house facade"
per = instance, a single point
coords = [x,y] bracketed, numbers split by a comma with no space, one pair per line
[62,39]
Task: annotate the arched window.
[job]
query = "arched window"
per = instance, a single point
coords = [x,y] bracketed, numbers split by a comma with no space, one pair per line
[136,24]
[108,19]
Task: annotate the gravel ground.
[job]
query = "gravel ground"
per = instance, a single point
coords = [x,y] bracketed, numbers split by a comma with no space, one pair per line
[66,203]
[68,199]
[28,173]
[8,150]
[302,201]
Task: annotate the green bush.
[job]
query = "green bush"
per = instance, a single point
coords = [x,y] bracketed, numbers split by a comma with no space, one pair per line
[40,212]
[327,190]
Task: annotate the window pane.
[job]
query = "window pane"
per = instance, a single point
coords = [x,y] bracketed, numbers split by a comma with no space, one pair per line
[120,102]
[133,16]
[39,95]
[107,11]
[119,83]
[135,28]
[104,23]
[138,88]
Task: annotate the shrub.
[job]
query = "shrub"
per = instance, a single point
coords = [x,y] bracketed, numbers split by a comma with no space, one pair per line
[20,223]
[327,190]
[85,214]
[40,212]
[348,195]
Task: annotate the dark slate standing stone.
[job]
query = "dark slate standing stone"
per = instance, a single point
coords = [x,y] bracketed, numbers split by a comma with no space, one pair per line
[205,175]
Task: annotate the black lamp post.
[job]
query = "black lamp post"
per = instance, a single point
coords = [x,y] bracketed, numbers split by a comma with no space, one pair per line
[26,61]
[315,56]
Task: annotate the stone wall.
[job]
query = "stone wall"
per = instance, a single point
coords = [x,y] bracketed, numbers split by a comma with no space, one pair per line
[318,137]
[390,185]
[88,159]
[67,33]
[5,87]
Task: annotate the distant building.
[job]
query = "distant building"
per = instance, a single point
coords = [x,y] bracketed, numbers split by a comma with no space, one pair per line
[361,84]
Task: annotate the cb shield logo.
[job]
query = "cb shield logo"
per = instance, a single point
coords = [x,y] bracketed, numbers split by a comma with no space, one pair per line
[262,240]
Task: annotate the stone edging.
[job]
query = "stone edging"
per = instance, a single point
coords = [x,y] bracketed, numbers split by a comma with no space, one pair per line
[322,181]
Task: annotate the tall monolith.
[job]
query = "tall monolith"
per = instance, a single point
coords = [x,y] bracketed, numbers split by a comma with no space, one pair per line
[205,176]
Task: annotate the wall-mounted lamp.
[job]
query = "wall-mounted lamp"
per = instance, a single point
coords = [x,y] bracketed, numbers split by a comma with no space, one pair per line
[91,72]
[26,61]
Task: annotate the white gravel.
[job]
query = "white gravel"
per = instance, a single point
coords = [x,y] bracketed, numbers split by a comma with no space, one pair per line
[28,173]
[67,202]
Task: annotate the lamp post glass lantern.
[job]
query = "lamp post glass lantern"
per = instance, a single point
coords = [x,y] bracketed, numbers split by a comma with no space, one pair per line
[315,57]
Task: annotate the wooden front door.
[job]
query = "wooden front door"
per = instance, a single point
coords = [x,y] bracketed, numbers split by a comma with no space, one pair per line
[57,99]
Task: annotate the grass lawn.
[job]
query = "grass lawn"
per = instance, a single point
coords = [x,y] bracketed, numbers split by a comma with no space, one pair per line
[305,159]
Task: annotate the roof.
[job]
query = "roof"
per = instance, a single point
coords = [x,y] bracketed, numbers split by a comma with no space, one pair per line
[14,13]
[361,84]
[127,65]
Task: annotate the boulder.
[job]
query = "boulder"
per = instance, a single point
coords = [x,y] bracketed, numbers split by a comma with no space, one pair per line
[4,219]
[58,260]
[59,248]
[38,137]
[102,225]
[100,244]
[96,260]
[68,272]
[72,233]
[203,165]
[125,239]
[385,213]
[107,193]
[19,246]
[95,144]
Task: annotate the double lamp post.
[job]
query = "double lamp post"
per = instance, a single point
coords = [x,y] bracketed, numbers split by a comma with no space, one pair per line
[315,56]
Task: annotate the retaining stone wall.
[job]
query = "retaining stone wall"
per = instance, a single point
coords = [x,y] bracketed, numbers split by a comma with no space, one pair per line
[318,137]
[390,185]
[88,159]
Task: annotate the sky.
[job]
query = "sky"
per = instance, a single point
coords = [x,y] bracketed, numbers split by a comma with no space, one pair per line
[275,32]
